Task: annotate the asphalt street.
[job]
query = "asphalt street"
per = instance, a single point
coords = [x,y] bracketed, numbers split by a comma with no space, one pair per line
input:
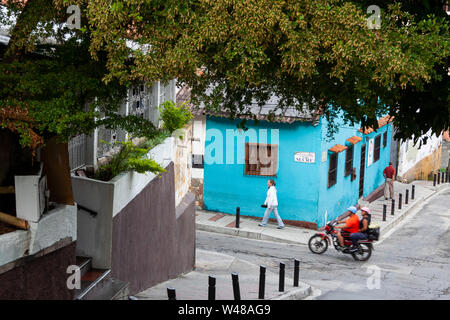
[412,263]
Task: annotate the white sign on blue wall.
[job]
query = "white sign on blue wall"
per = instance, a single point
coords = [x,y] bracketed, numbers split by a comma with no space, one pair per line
[306,157]
[370,153]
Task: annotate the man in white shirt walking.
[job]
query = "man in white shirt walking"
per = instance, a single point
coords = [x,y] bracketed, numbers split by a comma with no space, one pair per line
[272,205]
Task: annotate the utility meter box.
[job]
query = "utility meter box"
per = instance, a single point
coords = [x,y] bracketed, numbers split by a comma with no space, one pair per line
[31,196]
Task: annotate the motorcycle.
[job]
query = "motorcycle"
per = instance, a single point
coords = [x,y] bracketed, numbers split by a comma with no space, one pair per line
[319,242]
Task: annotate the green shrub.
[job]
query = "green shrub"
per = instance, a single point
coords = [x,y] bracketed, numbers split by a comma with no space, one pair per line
[129,158]
[174,117]
[158,138]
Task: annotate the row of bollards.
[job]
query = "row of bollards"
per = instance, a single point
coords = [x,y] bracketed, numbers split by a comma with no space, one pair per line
[441,178]
[400,201]
[171,293]
[236,290]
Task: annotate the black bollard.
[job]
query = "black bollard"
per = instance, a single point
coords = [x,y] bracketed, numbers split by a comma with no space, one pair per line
[392,207]
[238,216]
[171,293]
[296,272]
[406,196]
[400,201]
[434,180]
[281,282]
[439,177]
[446,176]
[413,192]
[443,177]
[211,288]
[384,212]
[262,282]
[236,291]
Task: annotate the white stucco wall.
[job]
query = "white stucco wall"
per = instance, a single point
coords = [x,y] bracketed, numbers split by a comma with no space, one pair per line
[53,226]
[13,245]
[128,185]
[198,143]
[409,155]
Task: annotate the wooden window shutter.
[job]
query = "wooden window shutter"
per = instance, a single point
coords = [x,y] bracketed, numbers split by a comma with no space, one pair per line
[274,163]
[261,159]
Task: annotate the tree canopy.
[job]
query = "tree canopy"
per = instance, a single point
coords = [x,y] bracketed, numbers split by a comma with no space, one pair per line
[314,53]
[318,53]
[50,85]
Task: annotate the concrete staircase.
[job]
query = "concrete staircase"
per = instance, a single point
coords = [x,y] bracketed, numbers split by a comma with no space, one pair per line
[98,284]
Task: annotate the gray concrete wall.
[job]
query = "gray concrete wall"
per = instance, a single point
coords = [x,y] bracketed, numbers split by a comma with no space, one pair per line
[94,233]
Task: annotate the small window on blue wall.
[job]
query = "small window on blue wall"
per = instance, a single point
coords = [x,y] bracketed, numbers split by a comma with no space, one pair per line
[376,149]
[332,170]
[385,139]
[348,161]
[261,159]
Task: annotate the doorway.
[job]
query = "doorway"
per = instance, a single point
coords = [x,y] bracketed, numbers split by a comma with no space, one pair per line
[362,168]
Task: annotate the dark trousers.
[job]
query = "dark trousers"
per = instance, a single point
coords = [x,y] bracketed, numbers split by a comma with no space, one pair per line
[358,236]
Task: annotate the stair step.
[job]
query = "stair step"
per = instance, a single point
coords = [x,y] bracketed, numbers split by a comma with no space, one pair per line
[92,281]
[84,263]
[112,290]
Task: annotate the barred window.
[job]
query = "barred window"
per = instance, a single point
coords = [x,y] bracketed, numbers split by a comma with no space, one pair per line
[376,151]
[348,161]
[385,139]
[332,170]
[261,159]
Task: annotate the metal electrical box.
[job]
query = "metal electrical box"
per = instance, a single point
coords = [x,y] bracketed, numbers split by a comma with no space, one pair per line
[31,196]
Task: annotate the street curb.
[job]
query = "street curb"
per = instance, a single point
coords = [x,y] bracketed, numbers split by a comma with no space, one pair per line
[406,213]
[242,232]
[245,234]
[315,293]
[298,294]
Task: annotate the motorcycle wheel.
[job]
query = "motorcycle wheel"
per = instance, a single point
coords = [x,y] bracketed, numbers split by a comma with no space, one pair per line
[317,245]
[364,252]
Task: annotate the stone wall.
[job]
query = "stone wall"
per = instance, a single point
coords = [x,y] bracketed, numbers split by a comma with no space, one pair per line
[424,169]
[197,190]
[445,158]
[420,160]
[182,162]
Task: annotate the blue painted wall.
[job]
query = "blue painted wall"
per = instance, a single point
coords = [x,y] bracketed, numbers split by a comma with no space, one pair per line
[226,187]
[345,192]
[303,192]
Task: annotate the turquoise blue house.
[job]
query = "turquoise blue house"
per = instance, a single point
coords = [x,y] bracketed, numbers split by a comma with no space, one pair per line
[316,179]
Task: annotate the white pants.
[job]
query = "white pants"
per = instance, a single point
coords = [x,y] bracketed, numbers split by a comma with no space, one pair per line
[267,215]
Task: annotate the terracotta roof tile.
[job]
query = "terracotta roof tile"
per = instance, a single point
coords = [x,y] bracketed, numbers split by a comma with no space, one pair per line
[337,148]
[381,122]
[446,136]
[354,139]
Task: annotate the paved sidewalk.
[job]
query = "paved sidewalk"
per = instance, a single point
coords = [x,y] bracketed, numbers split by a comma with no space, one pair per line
[225,223]
[194,285]
[423,190]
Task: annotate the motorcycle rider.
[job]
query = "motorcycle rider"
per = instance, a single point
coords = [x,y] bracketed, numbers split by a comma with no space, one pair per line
[348,225]
[363,228]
